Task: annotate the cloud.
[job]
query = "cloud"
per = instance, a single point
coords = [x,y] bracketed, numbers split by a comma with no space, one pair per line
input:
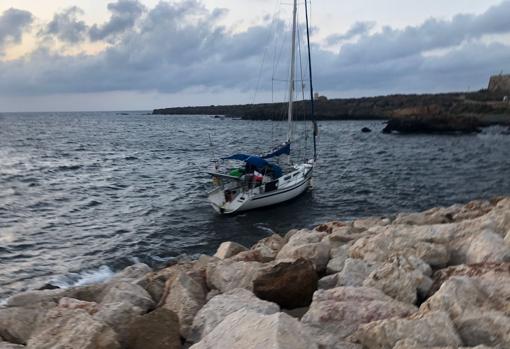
[178,46]
[389,43]
[66,26]
[125,13]
[13,23]
[356,30]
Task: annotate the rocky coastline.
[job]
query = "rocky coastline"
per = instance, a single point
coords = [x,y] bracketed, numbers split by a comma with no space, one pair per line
[435,279]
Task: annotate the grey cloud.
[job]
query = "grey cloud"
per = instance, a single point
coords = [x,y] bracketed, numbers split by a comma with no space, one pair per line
[13,23]
[432,34]
[66,26]
[125,13]
[181,45]
[356,30]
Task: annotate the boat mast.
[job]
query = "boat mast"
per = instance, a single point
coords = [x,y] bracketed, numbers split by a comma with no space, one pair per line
[292,69]
[312,106]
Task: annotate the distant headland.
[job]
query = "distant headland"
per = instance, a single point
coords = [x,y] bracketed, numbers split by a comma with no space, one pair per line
[479,108]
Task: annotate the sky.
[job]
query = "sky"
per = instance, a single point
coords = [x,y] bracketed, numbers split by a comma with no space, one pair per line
[76,55]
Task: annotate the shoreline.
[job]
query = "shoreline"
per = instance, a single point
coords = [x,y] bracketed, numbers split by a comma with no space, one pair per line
[415,280]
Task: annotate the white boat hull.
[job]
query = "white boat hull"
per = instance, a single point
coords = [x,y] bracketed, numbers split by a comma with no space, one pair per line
[290,186]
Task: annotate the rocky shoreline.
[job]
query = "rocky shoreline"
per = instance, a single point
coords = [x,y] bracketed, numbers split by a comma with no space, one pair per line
[435,279]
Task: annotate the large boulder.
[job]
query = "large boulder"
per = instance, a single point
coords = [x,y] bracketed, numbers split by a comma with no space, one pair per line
[498,270]
[270,246]
[65,328]
[158,329]
[487,247]
[477,306]
[229,249]
[429,243]
[289,284]
[220,306]
[401,279]
[227,275]
[89,293]
[337,313]
[18,323]
[308,245]
[118,316]
[185,298]
[250,330]
[131,293]
[133,272]
[355,271]
[432,330]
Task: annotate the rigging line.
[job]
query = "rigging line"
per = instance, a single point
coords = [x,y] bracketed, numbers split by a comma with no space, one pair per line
[266,49]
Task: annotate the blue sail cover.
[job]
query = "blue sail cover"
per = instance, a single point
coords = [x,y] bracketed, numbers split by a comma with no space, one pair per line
[257,162]
[283,149]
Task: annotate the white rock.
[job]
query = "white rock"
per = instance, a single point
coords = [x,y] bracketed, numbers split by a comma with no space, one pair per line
[228,275]
[337,261]
[185,298]
[130,293]
[487,247]
[432,330]
[18,323]
[355,271]
[76,329]
[250,330]
[220,306]
[337,313]
[229,249]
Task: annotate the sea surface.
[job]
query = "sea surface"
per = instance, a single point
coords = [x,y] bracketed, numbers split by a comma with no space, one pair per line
[83,195]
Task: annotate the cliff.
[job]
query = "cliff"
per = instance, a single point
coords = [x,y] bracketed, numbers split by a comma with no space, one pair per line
[485,106]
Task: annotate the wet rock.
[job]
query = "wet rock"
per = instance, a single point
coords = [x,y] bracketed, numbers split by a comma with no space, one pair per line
[18,323]
[185,298]
[366,130]
[220,306]
[132,272]
[251,330]
[228,275]
[337,313]
[289,284]
[89,293]
[426,122]
[229,249]
[65,328]
[432,330]
[158,329]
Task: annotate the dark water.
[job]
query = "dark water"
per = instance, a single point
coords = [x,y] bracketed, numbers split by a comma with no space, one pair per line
[85,194]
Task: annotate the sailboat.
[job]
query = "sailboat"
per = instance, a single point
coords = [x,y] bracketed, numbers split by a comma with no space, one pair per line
[261,182]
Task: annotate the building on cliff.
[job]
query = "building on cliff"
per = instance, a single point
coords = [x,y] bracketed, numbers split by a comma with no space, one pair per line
[500,83]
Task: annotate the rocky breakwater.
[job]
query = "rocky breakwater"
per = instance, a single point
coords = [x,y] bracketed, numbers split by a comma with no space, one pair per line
[435,279]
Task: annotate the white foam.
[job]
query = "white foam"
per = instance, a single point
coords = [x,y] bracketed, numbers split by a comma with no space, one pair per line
[87,277]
